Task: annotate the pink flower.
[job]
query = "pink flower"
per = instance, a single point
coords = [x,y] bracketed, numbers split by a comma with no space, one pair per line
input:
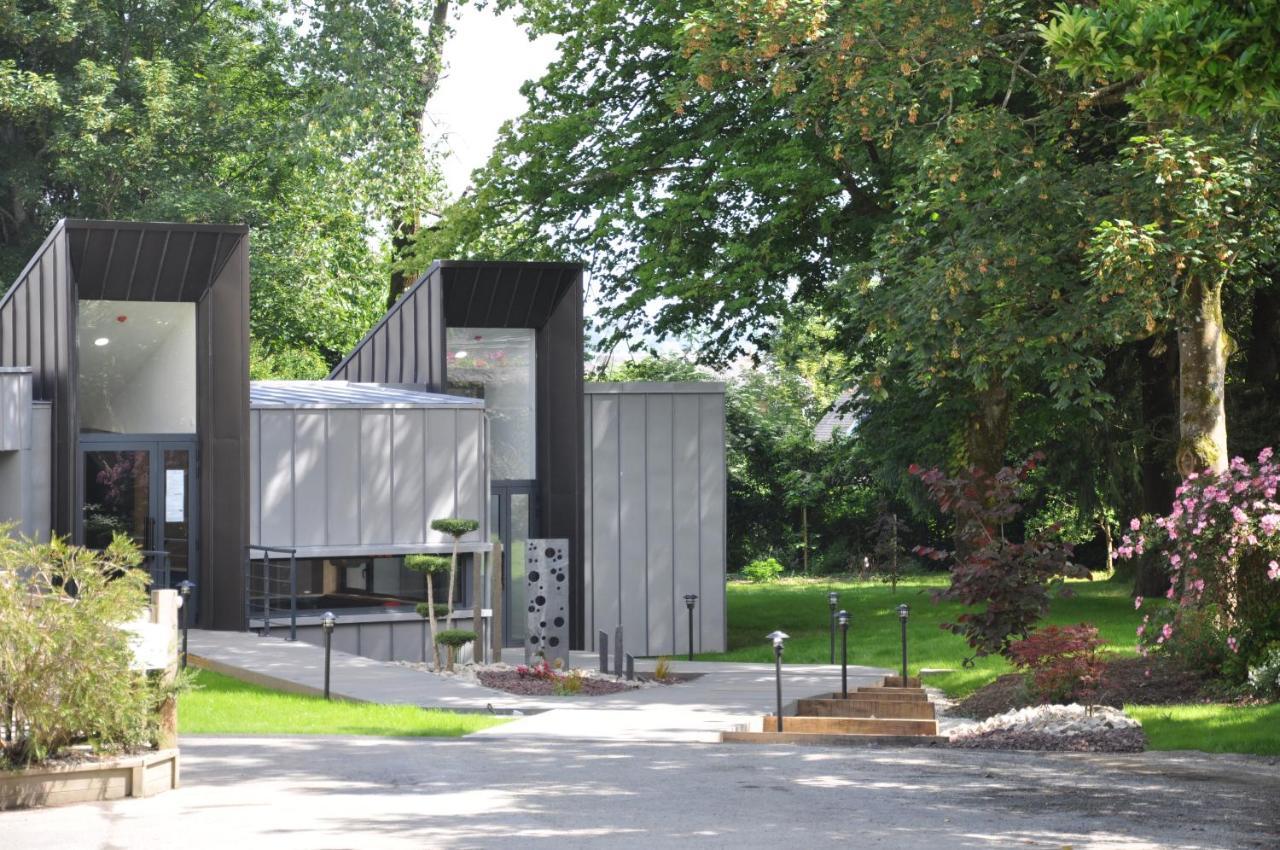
[1142,630]
[1274,572]
[1238,515]
[1167,631]
[1264,455]
[1134,524]
[1137,601]
[1232,645]
[1168,594]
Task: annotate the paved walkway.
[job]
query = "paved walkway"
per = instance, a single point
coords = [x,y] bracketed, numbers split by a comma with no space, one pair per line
[724,696]
[393,793]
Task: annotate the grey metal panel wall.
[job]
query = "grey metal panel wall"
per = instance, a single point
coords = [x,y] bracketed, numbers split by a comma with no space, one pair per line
[15,410]
[656,516]
[367,480]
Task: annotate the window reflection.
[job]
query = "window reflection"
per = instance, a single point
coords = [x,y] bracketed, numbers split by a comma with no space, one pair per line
[499,366]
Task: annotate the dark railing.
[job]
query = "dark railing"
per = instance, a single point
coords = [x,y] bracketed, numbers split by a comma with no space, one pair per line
[266,582]
[156,562]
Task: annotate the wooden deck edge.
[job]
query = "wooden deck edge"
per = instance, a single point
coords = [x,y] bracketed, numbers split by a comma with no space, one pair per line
[142,775]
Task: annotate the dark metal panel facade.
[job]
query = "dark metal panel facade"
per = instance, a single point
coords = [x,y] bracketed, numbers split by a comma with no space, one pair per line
[37,330]
[407,345]
[222,416]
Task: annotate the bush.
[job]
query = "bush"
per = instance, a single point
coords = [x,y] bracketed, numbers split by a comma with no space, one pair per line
[1264,677]
[1014,582]
[569,684]
[428,564]
[455,638]
[64,658]
[425,610]
[1061,663]
[762,571]
[1221,545]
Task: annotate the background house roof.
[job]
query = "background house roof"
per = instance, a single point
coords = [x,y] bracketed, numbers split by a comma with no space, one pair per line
[347,394]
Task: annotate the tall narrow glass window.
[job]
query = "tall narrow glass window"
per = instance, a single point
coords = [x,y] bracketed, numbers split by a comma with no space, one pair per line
[137,367]
[499,365]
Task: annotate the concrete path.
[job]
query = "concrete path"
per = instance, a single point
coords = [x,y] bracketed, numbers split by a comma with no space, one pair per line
[333,792]
[724,696]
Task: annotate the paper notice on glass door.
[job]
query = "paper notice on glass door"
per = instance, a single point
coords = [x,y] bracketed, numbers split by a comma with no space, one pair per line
[175,495]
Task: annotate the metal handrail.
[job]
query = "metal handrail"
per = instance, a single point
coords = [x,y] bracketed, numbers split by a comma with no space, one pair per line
[267,580]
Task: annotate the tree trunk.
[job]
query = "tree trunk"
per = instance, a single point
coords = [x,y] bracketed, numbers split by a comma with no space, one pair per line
[431,617]
[405,222]
[1203,347]
[453,571]
[804,523]
[985,440]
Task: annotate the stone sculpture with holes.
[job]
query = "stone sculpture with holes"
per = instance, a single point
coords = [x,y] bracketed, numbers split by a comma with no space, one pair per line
[547,593]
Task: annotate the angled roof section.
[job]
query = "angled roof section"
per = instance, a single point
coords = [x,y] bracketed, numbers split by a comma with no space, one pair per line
[148,261]
[503,295]
[329,394]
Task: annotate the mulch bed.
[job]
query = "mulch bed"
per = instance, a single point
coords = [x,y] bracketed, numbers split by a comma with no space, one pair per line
[1141,681]
[513,683]
[1101,741]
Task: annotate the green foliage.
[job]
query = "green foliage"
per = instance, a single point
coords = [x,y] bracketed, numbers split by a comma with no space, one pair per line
[428,564]
[424,609]
[1211,728]
[1174,58]
[298,119]
[1061,663]
[289,364]
[64,658]
[662,668]
[1264,675]
[763,571]
[455,638]
[455,528]
[569,684]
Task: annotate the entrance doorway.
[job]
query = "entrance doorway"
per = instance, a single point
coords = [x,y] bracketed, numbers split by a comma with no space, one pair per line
[145,488]
[513,519]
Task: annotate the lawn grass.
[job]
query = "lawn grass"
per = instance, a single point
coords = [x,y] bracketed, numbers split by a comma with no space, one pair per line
[226,706]
[1212,728]
[799,608]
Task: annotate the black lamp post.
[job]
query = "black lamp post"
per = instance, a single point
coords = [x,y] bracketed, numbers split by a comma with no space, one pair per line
[327,622]
[184,593]
[833,599]
[778,637]
[690,599]
[903,611]
[843,618]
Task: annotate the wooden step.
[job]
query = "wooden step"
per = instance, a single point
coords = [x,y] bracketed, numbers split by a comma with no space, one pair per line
[820,740]
[896,682]
[865,706]
[851,726]
[909,694]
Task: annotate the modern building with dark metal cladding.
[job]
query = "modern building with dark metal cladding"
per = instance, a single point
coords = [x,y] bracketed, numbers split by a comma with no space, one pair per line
[126,407]
[510,333]
[137,336]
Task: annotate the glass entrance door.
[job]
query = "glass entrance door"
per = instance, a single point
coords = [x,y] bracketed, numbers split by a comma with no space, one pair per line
[144,489]
[513,519]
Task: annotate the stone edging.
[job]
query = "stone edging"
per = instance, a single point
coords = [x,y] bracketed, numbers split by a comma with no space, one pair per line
[142,775]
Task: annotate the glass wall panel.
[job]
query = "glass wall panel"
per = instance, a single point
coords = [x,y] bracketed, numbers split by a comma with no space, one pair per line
[499,365]
[137,367]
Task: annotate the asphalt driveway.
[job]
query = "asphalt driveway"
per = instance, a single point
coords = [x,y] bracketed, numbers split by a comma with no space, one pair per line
[320,793]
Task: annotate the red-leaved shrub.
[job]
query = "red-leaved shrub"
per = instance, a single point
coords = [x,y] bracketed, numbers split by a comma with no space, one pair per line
[1061,663]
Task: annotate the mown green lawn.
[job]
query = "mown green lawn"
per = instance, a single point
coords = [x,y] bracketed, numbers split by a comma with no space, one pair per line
[226,706]
[799,608]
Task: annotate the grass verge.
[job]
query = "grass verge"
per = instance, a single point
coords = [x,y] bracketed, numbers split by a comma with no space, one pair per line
[226,706]
[1211,727]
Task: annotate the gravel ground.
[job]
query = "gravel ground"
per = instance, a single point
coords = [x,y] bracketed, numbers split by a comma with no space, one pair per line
[1061,728]
[386,793]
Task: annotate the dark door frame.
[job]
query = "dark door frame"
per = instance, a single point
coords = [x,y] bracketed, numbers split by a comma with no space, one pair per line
[503,491]
[155,445]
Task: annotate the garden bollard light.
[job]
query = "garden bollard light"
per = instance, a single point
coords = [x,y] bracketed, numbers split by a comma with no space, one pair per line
[184,594]
[778,637]
[903,610]
[690,599]
[833,599]
[843,617]
[327,621]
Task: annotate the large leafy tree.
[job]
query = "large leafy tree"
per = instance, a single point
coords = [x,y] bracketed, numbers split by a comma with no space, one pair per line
[293,117]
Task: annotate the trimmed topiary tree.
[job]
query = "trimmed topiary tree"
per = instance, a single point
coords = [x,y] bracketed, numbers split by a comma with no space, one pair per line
[457,529]
[453,640]
[429,565]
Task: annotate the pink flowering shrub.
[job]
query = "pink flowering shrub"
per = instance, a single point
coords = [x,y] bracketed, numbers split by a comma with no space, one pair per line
[1221,546]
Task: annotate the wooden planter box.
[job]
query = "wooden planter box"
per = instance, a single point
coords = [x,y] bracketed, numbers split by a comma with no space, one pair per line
[141,775]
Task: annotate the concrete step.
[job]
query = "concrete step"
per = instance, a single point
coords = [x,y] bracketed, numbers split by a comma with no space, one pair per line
[852,725]
[865,706]
[823,740]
